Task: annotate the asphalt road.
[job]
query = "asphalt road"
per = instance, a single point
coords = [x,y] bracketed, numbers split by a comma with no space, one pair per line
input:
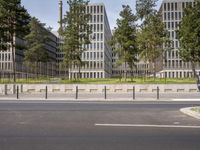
[62,125]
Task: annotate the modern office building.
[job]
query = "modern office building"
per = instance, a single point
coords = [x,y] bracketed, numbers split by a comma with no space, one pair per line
[6,61]
[172,12]
[98,55]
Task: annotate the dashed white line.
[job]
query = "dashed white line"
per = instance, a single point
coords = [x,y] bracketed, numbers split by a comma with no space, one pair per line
[147,126]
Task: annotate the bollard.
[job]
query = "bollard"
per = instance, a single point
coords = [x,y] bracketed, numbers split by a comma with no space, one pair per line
[158,93]
[76,92]
[105,94]
[46,93]
[14,88]
[133,93]
[21,88]
[17,92]
[5,89]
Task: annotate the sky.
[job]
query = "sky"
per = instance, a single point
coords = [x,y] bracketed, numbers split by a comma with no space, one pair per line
[47,11]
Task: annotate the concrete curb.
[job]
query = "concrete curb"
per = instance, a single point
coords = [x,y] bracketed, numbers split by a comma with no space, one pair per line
[188,111]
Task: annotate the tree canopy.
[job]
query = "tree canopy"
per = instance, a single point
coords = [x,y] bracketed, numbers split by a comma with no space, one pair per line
[124,38]
[36,42]
[189,35]
[14,20]
[76,32]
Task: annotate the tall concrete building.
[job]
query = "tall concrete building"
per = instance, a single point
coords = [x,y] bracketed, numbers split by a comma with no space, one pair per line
[172,12]
[98,54]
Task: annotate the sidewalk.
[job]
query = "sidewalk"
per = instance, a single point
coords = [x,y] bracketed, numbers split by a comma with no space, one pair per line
[109,96]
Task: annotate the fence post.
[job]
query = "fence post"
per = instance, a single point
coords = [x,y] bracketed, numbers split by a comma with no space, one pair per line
[158,93]
[105,93]
[46,93]
[133,92]
[76,92]
[17,92]
[5,90]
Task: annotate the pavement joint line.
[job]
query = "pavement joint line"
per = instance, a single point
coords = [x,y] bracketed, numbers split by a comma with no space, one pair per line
[147,125]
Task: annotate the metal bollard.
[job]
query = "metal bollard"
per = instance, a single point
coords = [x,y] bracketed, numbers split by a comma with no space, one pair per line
[14,88]
[133,93]
[5,89]
[158,93]
[76,92]
[21,88]
[105,93]
[46,93]
[17,92]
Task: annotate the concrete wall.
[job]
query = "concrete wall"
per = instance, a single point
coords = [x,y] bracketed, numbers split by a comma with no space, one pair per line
[90,88]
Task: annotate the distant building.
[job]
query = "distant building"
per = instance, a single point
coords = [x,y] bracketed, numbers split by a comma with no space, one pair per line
[6,61]
[173,66]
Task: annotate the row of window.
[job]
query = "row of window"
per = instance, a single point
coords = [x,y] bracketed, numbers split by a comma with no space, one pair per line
[91,65]
[174,6]
[92,55]
[172,25]
[177,64]
[170,6]
[95,9]
[88,75]
[5,66]
[184,74]
[96,19]
[173,15]
[5,56]
[94,46]
[172,55]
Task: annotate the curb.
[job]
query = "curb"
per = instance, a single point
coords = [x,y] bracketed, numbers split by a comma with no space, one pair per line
[188,111]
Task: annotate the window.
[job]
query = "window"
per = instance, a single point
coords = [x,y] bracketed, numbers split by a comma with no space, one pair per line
[101,9]
[168,6]
[165,7]
[172,6]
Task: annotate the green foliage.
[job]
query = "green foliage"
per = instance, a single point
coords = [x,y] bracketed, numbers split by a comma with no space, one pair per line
[151,38]
[36,41]
[189,35]
[14,21]
[76,32]
[124,38]
[145,8]
[152,33]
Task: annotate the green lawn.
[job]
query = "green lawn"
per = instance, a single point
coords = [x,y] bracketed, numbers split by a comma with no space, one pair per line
[105,81]
[197,109]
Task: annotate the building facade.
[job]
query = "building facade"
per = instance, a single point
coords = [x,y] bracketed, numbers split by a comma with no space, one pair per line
[173,66]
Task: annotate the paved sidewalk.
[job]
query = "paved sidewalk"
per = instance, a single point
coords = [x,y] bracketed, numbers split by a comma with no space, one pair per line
[109,96]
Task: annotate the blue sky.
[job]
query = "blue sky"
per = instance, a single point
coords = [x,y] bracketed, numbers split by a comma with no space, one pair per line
[47,10]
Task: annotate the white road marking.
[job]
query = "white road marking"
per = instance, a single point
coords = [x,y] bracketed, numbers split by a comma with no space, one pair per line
[185,99]
[147,125]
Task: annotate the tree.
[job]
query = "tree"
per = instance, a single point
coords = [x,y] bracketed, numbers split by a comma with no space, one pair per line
[145,8]
[76,33]
[124,39]
[151,38]
[14,24]
[189,36]
[36,42]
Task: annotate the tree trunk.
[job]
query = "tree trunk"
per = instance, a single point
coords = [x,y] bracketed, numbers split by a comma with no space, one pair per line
[125,71]
[13,59]
[154,70]
[195,75]
[79,71]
